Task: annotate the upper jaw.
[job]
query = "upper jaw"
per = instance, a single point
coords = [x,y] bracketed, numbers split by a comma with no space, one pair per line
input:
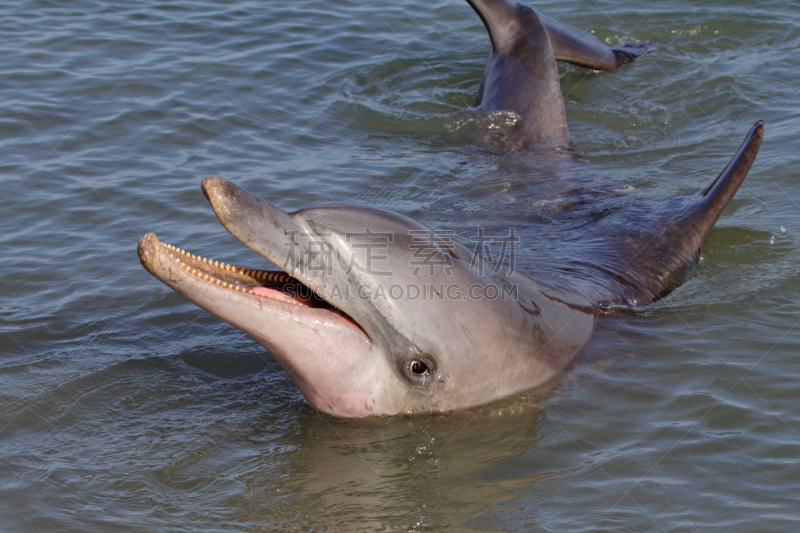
[261,227]
[271,232]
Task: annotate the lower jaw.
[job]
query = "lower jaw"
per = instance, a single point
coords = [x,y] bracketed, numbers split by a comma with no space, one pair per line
[275,285]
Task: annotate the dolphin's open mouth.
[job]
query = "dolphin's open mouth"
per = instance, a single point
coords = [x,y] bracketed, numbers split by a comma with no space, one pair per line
[269,288]
[352,348]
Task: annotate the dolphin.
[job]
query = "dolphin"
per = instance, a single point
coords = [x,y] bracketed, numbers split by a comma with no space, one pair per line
[374,313]
[521,75]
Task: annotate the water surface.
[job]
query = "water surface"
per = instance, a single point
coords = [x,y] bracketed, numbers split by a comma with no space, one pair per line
[125,408]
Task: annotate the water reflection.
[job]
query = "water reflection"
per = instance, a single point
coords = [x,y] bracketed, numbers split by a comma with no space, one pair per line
[410,473]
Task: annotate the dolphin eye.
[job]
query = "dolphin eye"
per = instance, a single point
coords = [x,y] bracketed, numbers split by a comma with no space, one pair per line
[419,368]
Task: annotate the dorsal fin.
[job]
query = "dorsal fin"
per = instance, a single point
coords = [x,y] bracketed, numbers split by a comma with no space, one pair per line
[712,201]
[686,231]
[652,243]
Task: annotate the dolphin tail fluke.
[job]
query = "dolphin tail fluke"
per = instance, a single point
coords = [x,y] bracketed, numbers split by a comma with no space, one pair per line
[502,20]
[521,75]
[712,201]
[628,52]
[584,49]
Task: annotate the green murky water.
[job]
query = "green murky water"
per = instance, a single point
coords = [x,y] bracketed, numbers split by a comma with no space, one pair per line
[125,408]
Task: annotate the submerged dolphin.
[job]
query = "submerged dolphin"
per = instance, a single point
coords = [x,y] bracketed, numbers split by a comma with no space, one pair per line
[375,313]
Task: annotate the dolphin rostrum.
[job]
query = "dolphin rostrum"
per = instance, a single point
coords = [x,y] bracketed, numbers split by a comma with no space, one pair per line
[374,313]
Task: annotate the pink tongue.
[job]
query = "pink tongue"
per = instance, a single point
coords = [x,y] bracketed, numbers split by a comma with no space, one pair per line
[306,301]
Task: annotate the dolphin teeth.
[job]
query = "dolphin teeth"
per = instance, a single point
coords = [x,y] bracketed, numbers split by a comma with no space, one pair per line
[264,275]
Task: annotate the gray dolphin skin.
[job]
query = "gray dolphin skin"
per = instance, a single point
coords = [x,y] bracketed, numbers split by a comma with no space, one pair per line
[373,313]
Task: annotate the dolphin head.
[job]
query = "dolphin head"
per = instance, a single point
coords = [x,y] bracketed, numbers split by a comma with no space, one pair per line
[373,312]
